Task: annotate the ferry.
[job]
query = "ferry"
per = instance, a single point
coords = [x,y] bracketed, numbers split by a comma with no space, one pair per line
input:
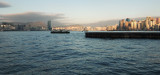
[60,31]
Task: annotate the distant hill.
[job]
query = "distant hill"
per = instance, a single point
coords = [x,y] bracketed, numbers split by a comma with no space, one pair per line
[36,24]
[103,23]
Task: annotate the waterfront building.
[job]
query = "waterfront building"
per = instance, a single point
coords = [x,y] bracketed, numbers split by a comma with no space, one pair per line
[156,27]
[75,28]
[100,28]
[126,25]
[49,25]
[121,24]
[134,25]
[139,25]
[146,24]
[129,25]
[109,28]
[143,26]
[148,18]
[112,28]
[128,19]
[150,23]
[153,22]
[158,20]
[123,20]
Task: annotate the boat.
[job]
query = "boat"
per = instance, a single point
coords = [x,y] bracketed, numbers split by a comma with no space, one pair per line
[60,31]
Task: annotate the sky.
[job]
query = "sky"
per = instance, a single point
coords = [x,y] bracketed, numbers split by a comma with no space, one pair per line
[77,11]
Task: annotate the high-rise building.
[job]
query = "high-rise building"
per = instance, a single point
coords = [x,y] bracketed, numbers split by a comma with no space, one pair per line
[154,23]
[143,25]
[150,23]
[135,25]
[148,18]
[132,24]
[156,27]
[139,25]
[49,25]
[155,20]
[158,20]
[146,24]
[128,19]
[126,25]
[121,24]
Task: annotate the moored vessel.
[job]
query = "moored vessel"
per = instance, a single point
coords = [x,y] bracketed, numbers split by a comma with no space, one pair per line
[60,31]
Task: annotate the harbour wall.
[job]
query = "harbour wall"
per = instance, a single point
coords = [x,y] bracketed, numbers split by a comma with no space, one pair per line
[124,34]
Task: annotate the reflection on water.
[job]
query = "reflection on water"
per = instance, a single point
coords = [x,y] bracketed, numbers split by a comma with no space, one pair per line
[45,53]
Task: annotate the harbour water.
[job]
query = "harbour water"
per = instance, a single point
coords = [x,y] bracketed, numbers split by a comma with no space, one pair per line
[43,53]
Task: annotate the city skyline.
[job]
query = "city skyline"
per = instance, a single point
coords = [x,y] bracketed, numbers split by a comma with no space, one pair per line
[147,24]
[77,12]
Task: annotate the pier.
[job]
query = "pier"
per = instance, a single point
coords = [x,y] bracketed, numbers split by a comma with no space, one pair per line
[124,34]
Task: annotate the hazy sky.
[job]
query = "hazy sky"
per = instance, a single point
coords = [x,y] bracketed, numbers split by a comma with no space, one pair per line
[83,11]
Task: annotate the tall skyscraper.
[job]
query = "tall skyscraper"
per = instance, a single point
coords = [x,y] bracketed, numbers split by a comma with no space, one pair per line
[156,27]
[143,25]
[49,25]
[146,24]
[154,22]
[126,25]
[132,25]
[149,18]
[158,20]
[128,19]
[150,23]
[135,25]
[139,25]
[121,24]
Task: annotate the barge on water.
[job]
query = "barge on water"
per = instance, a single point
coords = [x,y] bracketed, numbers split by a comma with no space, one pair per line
[60,31]
[124,34]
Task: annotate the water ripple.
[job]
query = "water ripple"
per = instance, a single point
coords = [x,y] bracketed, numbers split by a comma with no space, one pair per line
[42,53]
[11,69]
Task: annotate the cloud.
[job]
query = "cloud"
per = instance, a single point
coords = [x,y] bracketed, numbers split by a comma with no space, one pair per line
[4,5]
[34,17]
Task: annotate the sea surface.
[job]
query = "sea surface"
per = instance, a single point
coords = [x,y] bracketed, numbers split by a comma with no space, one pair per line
[43,53]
